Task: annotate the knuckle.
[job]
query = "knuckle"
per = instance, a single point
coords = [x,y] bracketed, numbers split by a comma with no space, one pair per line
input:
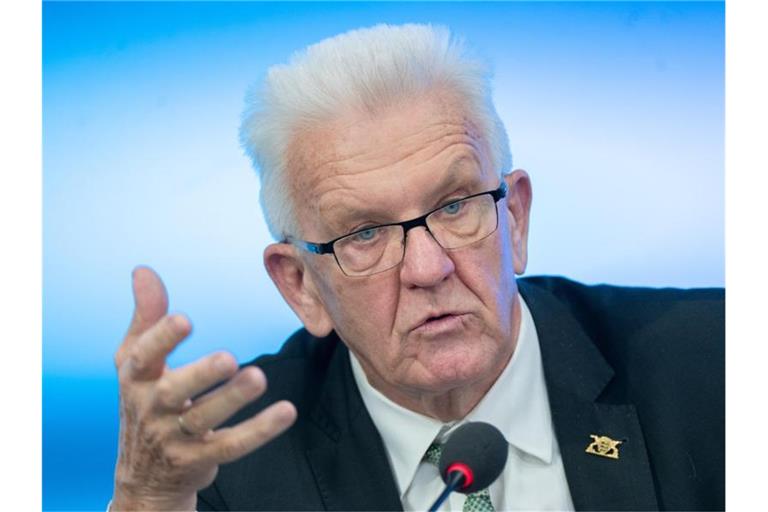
[263,432]
[165,395]
[172,327]
[232,449]
[157,336]
[168,326]
[138,362]
[176,459]
[207,371]
[195,420]
[238,393]
[123,349]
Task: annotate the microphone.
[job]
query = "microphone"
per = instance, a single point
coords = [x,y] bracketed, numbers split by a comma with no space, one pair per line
[472,458]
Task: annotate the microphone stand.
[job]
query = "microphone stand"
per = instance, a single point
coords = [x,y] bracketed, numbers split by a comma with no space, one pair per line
[455,479]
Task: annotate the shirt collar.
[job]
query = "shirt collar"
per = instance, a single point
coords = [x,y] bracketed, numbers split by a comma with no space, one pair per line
[406,434]
[516,404]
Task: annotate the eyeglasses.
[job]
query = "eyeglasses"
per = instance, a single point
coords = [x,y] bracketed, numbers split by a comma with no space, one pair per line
[375,249]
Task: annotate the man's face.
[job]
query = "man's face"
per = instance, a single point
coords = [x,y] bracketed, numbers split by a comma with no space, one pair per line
[441,320]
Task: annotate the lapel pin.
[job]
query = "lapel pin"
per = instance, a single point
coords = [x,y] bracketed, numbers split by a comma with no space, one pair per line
[603,446]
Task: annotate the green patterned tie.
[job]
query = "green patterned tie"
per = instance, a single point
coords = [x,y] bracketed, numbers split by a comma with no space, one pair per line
[479,501]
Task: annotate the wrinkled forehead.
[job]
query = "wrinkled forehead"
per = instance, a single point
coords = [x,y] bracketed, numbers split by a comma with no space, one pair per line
[380,167]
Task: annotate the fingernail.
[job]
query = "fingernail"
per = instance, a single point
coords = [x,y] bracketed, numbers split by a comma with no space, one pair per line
[288,412]
[223,363]
[252,379]
[178,323]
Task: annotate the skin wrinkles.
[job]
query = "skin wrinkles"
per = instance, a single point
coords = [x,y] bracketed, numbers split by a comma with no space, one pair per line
[412,145]
[329,185]
[321,164]
[487,330]
[441,374]
[347,213]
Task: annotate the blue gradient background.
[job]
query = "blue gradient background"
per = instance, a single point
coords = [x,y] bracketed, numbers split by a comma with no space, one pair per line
[616,110]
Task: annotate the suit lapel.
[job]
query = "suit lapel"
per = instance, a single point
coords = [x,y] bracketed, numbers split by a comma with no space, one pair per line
[348,458]
[349,461]
[577,374]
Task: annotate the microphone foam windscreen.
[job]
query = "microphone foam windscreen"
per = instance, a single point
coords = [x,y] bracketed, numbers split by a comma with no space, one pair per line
[479,446]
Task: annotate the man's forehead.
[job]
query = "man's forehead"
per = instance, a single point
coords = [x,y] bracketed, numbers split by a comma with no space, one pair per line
[392,199]
[463,173]
[355,134]
[376,164]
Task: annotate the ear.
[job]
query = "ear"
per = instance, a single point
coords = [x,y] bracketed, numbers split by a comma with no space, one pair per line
[288,272]
[518,203]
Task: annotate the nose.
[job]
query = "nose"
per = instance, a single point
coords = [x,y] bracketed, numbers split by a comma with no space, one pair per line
[425,262]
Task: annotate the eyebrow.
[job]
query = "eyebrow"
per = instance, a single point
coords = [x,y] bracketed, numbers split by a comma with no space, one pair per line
[458,175]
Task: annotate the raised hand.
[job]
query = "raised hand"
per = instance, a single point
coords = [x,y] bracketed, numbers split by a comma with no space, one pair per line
[169,446]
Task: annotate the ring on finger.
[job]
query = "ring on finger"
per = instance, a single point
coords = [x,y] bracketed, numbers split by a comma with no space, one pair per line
[184,428]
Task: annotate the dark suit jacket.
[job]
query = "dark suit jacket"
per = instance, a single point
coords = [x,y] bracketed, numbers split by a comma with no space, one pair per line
[645,366]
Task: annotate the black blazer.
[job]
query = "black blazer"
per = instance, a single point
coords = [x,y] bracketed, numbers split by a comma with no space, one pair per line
[645,366]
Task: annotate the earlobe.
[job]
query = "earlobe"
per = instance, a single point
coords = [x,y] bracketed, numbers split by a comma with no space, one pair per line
[518,203]
[289,274]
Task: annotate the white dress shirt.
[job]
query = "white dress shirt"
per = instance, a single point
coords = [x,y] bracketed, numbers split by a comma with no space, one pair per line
[517,404]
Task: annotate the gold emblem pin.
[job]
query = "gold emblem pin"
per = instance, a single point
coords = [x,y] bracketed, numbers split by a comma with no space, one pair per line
[604,446]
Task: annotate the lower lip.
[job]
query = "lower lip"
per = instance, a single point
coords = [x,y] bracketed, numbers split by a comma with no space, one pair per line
[442,325]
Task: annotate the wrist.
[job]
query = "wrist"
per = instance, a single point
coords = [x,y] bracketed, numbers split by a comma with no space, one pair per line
[122,500]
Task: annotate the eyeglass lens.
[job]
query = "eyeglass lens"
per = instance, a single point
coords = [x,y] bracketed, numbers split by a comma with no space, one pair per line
[453,226]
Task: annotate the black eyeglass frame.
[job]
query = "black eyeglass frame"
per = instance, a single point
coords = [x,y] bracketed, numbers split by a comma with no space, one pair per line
[327,247]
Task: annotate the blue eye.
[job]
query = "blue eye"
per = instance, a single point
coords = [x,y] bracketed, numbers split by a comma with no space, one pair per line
[367,235]
[452,208]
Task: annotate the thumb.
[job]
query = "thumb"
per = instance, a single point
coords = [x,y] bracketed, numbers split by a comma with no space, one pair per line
[150,300]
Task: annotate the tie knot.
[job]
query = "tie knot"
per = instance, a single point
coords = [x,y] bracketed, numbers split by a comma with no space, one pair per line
[433,453]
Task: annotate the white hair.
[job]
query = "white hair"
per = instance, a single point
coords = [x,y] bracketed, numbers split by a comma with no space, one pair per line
[364,69]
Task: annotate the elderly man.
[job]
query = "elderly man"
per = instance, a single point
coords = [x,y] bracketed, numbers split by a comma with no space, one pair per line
[386,176]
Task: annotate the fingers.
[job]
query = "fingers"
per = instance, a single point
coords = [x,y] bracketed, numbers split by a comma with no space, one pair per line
[150,305]
[229,444]
[150,300]
[213,409]
[177,386]
[146,357]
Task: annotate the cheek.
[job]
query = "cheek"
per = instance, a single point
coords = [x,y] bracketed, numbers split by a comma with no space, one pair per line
[489,267]
[363,310]
[489,274]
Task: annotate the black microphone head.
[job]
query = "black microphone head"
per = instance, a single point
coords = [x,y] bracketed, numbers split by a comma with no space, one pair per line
[478,446]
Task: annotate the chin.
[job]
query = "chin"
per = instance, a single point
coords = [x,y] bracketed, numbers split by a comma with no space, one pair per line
[455,369]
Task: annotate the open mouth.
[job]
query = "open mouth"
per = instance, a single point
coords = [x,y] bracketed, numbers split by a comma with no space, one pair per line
[440,324]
